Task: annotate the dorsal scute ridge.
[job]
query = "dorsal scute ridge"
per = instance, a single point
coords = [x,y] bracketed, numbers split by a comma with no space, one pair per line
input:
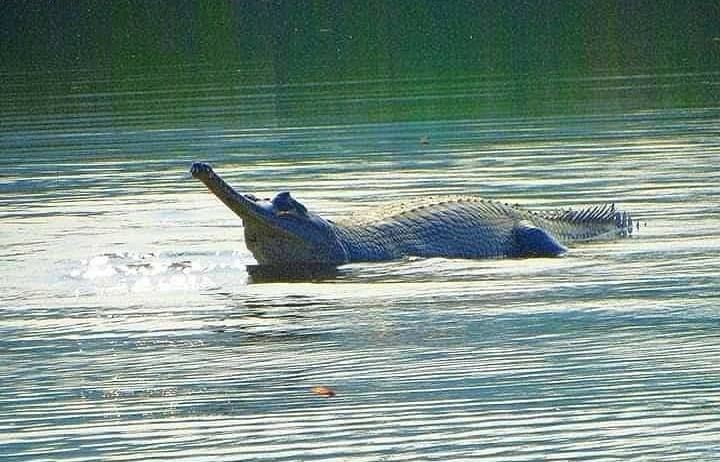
[426,204]
[599,213]
[429,204]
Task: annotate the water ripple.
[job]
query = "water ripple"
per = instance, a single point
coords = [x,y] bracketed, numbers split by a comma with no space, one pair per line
[130,328]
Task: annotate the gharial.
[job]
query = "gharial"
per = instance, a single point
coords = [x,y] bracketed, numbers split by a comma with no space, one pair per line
[282,232]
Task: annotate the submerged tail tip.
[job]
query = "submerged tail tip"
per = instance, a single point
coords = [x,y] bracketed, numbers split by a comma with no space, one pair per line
[624,223]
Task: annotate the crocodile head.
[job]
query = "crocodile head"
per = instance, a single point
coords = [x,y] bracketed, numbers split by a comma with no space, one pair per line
[280,231]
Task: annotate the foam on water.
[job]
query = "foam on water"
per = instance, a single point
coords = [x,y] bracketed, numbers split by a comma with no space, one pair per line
[138,273]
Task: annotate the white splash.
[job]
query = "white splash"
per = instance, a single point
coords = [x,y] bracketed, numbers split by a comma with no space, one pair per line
[144,273]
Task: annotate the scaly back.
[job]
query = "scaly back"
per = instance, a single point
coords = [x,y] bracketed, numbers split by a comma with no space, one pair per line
[601,221]
[566,225]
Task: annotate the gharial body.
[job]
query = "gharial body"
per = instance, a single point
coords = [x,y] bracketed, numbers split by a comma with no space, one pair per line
[281,231]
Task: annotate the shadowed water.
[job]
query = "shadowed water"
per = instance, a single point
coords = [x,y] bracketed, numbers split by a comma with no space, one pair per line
[131,330]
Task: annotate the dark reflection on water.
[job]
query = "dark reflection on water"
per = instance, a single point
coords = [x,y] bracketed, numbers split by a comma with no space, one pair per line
[319,273]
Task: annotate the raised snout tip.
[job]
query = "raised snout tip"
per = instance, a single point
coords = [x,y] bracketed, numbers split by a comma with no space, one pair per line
[200,169]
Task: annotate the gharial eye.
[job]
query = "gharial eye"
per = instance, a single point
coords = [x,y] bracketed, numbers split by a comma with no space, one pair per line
[285,205]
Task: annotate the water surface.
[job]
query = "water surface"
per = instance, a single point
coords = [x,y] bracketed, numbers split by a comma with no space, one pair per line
[130,330]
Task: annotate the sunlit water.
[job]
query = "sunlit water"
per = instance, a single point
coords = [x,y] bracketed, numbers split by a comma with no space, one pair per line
[130,329]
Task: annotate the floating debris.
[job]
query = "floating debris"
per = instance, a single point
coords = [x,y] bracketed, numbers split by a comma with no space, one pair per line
[181,264]
[323,391]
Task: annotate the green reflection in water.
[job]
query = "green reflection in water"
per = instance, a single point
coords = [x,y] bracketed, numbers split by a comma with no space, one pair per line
[255,63]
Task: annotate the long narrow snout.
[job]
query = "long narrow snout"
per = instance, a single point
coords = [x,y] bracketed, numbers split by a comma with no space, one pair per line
[242,205]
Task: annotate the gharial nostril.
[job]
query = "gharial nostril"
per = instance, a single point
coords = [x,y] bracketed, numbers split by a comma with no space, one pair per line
[199,168]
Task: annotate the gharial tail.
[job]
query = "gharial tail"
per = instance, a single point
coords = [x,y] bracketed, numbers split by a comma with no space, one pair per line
[599,222]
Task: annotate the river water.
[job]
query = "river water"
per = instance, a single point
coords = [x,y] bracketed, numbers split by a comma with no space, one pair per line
[130,329]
